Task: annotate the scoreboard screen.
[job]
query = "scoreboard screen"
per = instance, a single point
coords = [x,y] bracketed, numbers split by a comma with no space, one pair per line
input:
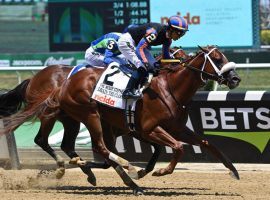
[74,24]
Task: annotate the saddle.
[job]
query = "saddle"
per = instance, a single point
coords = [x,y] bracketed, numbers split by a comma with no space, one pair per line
[110,87]
[78,68]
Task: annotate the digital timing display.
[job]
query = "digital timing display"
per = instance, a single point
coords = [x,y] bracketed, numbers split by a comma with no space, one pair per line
[74,24]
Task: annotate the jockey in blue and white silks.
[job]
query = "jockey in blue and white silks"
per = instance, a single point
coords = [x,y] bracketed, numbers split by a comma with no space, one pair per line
[104,51]
[135,45]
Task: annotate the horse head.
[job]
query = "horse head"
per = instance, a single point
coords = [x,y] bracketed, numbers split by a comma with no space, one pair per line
[176,53]
[215,66]
[179,53]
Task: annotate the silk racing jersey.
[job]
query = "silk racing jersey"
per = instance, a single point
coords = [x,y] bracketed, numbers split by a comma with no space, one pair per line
[150,34]
[107,45]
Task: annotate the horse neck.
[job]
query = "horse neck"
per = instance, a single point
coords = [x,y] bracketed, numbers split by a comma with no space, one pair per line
[184,83]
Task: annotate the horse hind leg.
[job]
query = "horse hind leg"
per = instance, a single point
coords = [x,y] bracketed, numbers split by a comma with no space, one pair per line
[71,130]
[41,140]
[93,124]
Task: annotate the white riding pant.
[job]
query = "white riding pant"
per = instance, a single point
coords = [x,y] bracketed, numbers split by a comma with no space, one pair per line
[96,59]
[127,47]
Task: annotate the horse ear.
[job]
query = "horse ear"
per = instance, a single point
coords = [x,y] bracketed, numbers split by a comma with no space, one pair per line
[202,49]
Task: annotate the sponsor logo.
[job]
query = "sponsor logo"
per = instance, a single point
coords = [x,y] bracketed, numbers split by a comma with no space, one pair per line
[194,20]
[4,63]
[61,61]
[251,125]
[110,90]
[27,63]
[105,99]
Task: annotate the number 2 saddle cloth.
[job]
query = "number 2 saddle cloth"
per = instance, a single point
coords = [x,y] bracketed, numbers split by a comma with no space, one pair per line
[110,87]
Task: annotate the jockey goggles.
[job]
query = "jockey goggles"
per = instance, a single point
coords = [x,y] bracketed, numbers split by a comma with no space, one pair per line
[180,32]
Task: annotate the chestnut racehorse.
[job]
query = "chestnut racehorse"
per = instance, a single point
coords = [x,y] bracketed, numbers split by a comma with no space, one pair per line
[160,115]
[43,83]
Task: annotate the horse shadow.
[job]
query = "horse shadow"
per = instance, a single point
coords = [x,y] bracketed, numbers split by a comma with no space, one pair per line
[148,191]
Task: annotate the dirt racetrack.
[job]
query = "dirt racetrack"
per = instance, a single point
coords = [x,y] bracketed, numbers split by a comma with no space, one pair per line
[197,181]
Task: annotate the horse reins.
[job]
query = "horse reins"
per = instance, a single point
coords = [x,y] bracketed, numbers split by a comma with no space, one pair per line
[217,77]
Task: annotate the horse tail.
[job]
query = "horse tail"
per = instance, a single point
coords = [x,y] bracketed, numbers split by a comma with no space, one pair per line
[12,101]
[40,108]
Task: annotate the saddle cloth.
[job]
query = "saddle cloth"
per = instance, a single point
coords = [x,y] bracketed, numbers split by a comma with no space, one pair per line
[110,87]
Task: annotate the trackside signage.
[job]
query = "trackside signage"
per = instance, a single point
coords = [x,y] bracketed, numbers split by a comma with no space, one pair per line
[46,59]
[236,123]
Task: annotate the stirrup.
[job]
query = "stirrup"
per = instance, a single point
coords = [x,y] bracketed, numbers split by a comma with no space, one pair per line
[130,95]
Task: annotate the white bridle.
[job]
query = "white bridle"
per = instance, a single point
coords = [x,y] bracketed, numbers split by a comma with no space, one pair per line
[175,52]
[227,67]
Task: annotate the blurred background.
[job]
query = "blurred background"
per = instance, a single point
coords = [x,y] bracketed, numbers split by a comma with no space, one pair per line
[43,32]
[38,33]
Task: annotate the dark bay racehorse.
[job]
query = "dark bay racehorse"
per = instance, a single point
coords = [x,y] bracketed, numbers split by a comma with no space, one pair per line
[160,115]
[24,95]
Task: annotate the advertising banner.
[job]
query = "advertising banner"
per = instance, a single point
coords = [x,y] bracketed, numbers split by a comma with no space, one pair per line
[23,60]
[209,22]
[238,124]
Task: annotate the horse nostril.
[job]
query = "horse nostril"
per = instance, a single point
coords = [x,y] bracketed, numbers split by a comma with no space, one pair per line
[236,79]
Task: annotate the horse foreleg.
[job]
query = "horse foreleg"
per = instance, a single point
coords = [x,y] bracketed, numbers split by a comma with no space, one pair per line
[41,139]
[190,137]
[153,160]
[161,137]
[170,168]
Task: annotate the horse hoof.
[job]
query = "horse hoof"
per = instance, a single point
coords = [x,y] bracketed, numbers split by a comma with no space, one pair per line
[138,192]
[81,162]
[141,173]
[74,160]
[157,173]
[60,172]
[92,180]
[234,174]
[133,174]
[61,164]
[161,172]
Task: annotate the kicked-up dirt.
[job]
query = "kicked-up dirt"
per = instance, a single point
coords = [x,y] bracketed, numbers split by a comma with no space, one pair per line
[182,184]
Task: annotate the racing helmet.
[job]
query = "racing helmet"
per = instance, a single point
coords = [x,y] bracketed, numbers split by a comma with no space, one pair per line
[178,23]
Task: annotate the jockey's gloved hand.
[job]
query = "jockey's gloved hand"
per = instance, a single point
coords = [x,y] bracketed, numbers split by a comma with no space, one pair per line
[157,65]
[146,66]
[154,71]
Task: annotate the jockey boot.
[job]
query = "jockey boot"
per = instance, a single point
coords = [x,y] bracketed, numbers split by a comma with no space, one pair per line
[130,92]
